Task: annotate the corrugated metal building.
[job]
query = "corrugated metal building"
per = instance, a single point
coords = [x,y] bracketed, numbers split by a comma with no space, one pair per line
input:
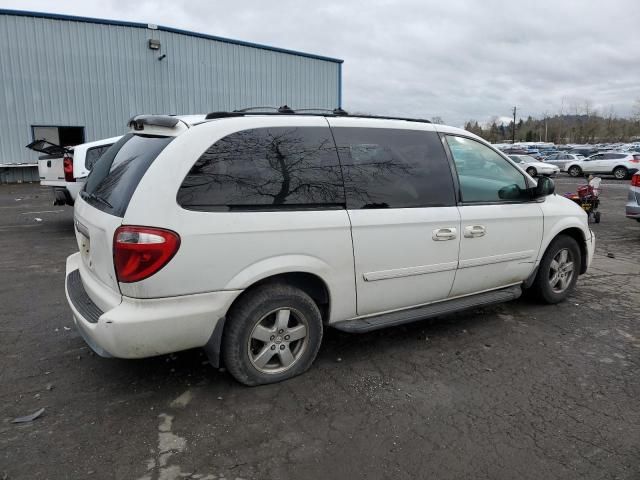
[76,79]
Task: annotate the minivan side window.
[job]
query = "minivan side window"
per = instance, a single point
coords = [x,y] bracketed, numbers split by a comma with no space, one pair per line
[270,168]
[394,168]
[485,176]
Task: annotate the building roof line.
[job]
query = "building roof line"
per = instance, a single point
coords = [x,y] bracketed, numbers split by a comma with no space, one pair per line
[121,23]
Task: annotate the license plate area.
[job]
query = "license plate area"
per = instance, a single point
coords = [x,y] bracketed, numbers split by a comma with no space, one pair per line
[84,242]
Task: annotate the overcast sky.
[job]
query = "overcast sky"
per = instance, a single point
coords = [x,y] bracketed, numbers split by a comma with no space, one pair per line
[458,60]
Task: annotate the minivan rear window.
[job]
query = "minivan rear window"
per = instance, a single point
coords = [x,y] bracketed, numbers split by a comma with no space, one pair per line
[116,174]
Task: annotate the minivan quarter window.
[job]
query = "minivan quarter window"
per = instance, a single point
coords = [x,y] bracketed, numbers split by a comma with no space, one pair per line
[394,168]
[484,175]
[270,168]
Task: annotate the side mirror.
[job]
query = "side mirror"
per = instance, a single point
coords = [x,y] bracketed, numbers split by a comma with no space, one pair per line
[544,187]
[511,192]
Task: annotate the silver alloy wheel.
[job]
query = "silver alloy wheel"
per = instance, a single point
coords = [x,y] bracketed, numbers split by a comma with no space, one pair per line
[561,271]
[574,171]
[278,340]
[620,173]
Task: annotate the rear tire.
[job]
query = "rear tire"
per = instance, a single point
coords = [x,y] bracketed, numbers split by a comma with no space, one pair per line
[558,271]
[272,334]
[620,173]
[532,172]
[575,171]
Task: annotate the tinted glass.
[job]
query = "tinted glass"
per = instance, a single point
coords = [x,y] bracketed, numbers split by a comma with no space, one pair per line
[484,175]
[266,168]
[93,154]
[392,168]
[117,173]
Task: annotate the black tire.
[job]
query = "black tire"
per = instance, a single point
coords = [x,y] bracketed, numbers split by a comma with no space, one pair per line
[245,315]
[596,217]
[574,171]
[532,172]
[620,173]
[541,287]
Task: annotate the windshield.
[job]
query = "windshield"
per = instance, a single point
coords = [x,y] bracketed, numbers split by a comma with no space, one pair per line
[116,174]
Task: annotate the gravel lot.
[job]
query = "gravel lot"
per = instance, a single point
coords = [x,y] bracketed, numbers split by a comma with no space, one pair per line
[518,390]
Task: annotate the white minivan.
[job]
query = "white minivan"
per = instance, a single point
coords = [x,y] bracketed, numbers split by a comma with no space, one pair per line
[250,234]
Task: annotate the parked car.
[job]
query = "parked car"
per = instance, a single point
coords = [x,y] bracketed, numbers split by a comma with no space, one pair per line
[620,165]
[584,151]
[65,169]
[250,235]
[633,200]
[560,160]
[533,167]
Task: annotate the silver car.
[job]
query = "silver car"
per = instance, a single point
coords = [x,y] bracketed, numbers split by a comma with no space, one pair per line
[633,200]
[561,159]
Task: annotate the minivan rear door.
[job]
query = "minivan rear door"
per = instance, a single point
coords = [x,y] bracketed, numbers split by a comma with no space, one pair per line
[401,203]
[102,204]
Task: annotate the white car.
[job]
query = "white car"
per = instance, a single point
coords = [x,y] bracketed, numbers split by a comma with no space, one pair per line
[250,234]
[65,168]
[533,167]
[561,159]
[620,165]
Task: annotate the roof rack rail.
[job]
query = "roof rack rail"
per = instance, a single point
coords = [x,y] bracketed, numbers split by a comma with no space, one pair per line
[334,111]
[286,110]
[248,109]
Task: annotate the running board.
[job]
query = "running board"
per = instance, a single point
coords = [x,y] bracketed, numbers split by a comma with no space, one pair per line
[392,319]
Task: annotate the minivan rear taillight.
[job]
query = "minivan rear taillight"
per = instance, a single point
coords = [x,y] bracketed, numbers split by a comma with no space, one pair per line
[67,164]
[139,252]
[635,180]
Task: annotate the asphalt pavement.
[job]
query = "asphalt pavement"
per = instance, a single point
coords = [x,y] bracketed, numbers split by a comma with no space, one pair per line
[518,390]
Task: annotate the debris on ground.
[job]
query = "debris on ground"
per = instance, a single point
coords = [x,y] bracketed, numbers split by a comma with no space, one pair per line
[38,219]
[611,255]
[28,418]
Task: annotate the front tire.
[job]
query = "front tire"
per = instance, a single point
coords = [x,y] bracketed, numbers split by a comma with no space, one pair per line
[272,334]
[575,171]
[532,172]
[620,173]
[558,271]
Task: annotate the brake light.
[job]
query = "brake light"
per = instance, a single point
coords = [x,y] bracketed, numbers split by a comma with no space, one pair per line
[67,164]
[635,159]
[635,180]
[140,252]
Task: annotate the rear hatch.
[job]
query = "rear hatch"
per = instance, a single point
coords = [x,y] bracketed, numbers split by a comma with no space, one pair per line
[104,200]
[51,164]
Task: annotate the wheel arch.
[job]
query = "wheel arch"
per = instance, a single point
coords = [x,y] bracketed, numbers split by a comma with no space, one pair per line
[579,236]
[310,283]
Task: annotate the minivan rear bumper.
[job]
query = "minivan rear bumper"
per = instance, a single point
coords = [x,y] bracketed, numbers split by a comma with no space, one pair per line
[138,328]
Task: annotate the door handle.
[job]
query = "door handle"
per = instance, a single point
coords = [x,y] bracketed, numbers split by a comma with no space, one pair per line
[473,231]
[442,234]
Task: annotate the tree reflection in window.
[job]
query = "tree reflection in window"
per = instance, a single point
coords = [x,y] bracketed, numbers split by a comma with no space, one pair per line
[266,166]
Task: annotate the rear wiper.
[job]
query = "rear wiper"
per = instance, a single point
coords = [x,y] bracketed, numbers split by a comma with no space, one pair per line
[93,196]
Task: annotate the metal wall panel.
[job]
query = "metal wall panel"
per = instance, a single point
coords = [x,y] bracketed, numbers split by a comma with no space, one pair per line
[66,72]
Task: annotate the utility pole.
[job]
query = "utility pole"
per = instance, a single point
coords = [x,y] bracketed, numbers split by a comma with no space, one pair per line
[513,133]
[545,129]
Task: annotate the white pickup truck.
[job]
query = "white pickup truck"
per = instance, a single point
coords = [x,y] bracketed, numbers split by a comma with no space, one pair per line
[65,169]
